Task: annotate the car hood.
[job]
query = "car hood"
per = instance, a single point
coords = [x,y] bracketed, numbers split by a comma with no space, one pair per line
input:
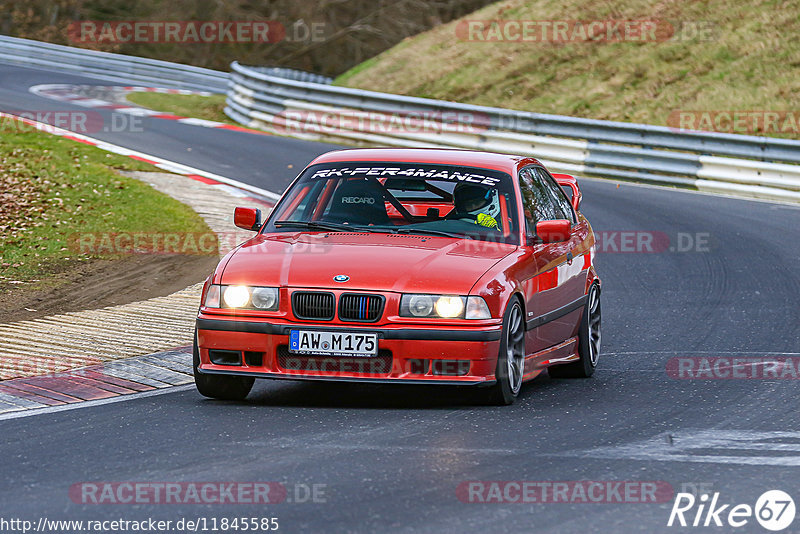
[374,262]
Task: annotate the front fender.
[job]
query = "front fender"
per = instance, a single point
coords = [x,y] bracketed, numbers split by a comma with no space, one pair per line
[499,285]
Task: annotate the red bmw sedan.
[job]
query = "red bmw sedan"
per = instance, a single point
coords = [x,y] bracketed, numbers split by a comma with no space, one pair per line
[420,266]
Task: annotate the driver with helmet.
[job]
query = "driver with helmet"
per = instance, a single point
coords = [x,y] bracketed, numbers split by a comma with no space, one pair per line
[477,203]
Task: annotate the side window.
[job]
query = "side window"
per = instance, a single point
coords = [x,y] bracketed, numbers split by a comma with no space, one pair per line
[537,204]
[562,203]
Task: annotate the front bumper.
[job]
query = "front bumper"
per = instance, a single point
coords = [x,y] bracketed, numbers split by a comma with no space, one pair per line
[463,355]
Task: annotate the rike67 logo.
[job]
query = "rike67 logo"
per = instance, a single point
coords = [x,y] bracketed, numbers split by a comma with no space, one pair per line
[774,510]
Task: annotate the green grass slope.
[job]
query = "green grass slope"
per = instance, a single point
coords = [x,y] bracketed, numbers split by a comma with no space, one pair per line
[746,57]
[53,190]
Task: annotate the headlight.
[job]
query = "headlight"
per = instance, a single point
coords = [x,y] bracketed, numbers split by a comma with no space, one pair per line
[419,305]
[449,306]
[444,306]
[253,298]
[236,296]
[265,298]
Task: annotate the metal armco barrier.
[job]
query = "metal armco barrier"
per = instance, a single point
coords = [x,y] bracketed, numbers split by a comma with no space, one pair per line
[304,105]
[309,107]
[108,66]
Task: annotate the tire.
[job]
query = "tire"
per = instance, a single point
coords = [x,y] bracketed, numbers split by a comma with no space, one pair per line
[511,357]
[222,387]
[589,337]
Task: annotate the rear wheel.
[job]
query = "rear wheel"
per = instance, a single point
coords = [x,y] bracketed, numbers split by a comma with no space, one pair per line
[219,386]
[588,341]
[511,358]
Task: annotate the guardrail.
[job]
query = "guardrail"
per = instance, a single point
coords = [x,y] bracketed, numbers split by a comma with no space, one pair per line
[309,107]
[108,66]
[306,105]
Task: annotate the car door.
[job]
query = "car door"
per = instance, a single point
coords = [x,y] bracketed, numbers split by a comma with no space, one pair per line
[572,274]
[552,276]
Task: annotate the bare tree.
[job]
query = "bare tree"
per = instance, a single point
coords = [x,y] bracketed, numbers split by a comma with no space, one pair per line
[324,36]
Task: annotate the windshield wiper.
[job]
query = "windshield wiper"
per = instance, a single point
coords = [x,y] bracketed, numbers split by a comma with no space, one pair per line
[316,225]
[431,232]
[336,227]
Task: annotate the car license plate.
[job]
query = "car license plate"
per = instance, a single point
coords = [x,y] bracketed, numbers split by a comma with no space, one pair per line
[317,343]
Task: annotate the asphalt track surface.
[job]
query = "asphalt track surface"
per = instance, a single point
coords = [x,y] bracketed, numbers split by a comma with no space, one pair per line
[391,458]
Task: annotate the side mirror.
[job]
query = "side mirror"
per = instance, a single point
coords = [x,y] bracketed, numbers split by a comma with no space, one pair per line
[247,218]
[566,180]
[553,231]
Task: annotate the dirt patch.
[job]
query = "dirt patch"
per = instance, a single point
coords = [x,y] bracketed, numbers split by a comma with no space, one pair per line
[96,284]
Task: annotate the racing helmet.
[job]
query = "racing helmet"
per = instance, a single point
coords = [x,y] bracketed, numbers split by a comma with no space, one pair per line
[479,201]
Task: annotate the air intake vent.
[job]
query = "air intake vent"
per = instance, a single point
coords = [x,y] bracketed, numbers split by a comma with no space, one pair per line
[348,233]
[313,305]
[365,308]
[225,357]
[380,365]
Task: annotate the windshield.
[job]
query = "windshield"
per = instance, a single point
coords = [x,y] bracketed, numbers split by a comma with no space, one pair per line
[425,199]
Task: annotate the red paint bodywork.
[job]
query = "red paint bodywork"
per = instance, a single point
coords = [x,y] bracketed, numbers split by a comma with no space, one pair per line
[543,276]
[246,218]
[553,231]
[565,180]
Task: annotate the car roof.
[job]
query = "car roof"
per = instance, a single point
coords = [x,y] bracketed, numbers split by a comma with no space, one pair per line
[471,158]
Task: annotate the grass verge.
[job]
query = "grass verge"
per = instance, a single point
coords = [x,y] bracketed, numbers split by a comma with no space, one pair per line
[723,56]
[195,106]
[53,189]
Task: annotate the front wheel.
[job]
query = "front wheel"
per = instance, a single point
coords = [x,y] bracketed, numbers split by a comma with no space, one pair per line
[219,386]
[588,341]
[511,357]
